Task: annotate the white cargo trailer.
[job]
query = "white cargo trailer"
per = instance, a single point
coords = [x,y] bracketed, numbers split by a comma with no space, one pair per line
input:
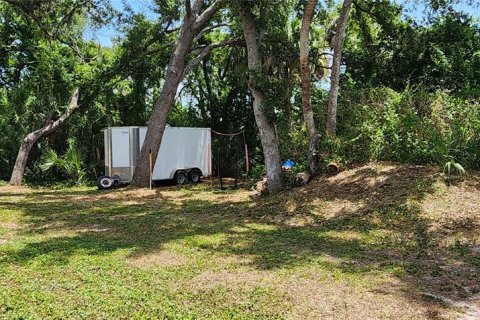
[185,154]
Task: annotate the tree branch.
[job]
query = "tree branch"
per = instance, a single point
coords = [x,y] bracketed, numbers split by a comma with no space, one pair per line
[188,8]
[52,126]
[207,14]
[153,51]
[205,30]
[26,10]
[31,138]
[193,63]
[197,5]
[155,38]
[68,17]
[367,11]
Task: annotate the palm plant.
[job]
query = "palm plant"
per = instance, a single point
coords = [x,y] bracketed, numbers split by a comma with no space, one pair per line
[70,162]
[451,167]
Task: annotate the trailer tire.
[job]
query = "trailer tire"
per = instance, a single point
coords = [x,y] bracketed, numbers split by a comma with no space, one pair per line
[104,183]
[180,178]
[195,175]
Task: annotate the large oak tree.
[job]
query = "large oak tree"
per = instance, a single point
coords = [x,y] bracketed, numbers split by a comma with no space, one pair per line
[197,16]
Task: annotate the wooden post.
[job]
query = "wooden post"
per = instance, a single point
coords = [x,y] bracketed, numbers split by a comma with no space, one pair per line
[150,166]
[247,163]
[218,169]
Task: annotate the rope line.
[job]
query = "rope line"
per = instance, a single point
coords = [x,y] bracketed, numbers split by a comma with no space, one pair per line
[227,134]
[246,156]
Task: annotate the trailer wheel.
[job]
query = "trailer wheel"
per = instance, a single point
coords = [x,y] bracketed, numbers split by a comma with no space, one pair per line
[180,178]
[195,175]
[105,182]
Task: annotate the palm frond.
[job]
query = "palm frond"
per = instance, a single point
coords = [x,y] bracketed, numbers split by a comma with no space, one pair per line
[50,160]
[452,166]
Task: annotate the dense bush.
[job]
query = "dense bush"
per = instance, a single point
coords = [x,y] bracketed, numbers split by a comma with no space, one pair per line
[413,126]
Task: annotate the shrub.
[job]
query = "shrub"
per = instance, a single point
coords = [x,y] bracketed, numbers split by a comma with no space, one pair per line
[414,126]
[70,163]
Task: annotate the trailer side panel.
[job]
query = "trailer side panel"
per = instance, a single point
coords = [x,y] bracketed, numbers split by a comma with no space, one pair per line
[181,148]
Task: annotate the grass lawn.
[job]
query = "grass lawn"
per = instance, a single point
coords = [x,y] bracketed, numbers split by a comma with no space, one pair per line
[376,242]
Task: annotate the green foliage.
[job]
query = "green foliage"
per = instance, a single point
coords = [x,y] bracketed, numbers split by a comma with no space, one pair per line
[294,143]
[42,59]
[452,166]
[257,171]
[409,94]
[385,50]
[412,126]
[70,163]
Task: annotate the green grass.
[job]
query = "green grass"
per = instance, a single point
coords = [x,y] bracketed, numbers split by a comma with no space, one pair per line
[196,253]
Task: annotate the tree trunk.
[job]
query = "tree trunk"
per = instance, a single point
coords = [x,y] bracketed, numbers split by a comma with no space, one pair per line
[333,168]
[301,179]
[306,80]
[30,139]
[163,105]
[335,77]
[266,128]
[193,23]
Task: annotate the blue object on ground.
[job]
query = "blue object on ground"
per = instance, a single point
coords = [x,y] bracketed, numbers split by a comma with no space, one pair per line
[288,164]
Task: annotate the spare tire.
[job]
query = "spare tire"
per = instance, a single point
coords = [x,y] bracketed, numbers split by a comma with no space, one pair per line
[105,182]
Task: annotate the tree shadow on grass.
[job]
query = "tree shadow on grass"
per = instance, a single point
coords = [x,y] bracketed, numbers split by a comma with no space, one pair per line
[378,225]
[396,229]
